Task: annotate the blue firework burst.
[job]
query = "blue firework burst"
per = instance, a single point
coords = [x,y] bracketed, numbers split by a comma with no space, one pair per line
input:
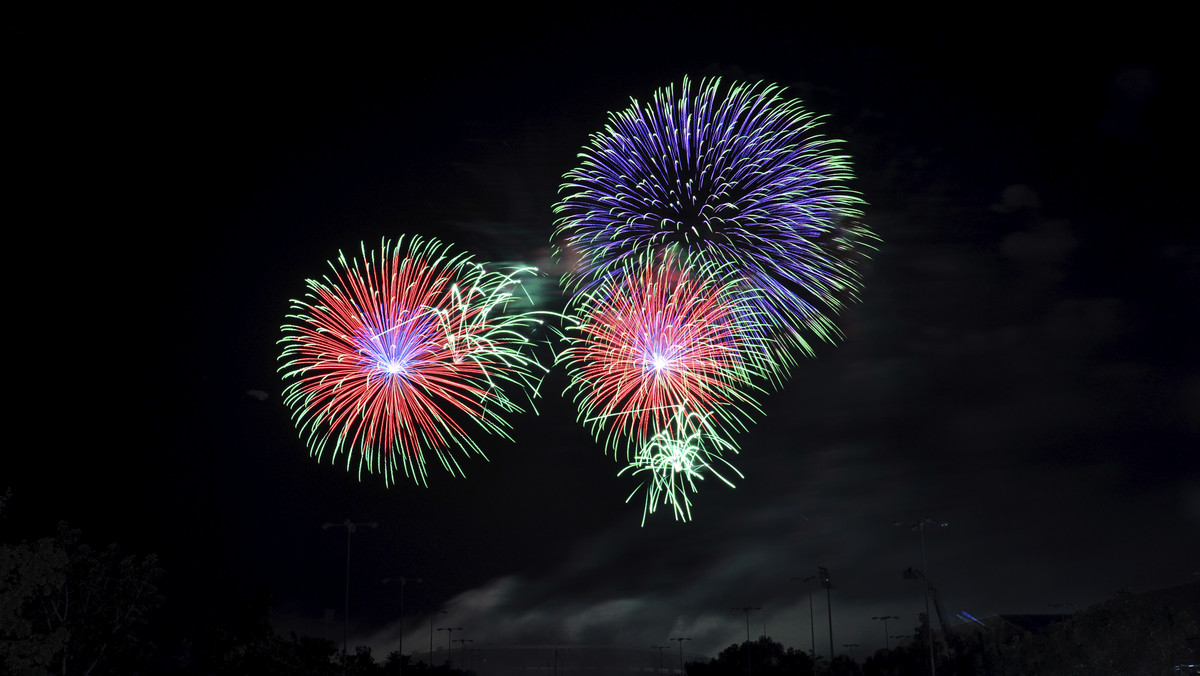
[736,178]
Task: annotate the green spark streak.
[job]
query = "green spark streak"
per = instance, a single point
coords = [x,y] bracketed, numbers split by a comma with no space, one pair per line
[675,460]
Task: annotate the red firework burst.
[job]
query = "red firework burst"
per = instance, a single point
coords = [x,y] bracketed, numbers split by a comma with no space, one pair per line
[391,357]
[652,341]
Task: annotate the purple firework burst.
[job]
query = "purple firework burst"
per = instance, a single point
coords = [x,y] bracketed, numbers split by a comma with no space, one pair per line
[735,178]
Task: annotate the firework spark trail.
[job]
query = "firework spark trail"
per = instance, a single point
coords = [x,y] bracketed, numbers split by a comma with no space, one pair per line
[404,352]
[676,458]
[732,177]
[656,338]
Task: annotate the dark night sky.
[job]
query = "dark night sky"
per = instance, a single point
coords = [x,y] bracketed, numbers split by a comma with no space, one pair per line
[1021,364]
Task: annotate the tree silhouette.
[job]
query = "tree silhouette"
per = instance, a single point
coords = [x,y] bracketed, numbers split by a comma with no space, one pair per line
[1124,635]
[66,608]
[770,659]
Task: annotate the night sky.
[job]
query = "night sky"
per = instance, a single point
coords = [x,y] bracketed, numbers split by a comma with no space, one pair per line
[1021,364]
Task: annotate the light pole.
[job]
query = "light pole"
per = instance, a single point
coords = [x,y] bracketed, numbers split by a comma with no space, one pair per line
[681,640]
[823,573]
[920,526]
[431,619]
[812,626]
[403,581]
[449,632]
[659,648]
[462,648]
[886,644]
[350,528]
[745,609]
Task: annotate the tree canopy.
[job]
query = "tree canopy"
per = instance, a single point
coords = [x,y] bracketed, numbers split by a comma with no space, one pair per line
[67,608]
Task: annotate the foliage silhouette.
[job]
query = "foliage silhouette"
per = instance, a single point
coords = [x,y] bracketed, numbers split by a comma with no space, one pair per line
[67,608]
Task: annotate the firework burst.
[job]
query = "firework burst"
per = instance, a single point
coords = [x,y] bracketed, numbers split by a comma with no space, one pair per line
[736,178]
[649,341]
[406,351]
[675,459]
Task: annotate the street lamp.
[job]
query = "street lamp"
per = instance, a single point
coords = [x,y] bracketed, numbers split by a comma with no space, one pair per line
[745,609]
[659,648]
[449,632]
[920,526]
[823,574]
[887,645]
[462,647]
[681,640]
[812,626]
[350,528]
[431,619]
[403,581]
